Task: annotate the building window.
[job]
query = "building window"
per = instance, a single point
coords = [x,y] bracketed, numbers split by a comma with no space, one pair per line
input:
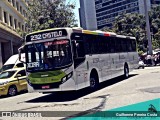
[9,1]
[11,20]
[19,25]
[13,3]
[5,17]
[17,5]
[15,24]
[0,13]
[22,27]
[25,29]
[24,13]
[21,9]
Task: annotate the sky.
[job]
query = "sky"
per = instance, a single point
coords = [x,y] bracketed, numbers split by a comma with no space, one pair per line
[76,9]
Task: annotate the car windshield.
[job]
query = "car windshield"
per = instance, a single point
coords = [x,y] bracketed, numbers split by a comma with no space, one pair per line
[48,55]
[6,67]
[7,74]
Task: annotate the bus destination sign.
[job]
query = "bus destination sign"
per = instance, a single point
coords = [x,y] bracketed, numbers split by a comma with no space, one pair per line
[46,35]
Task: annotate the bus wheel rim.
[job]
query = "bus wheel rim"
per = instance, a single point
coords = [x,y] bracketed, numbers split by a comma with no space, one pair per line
[126,72]
[92,82]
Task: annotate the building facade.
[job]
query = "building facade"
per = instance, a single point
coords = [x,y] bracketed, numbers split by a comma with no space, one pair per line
[105,11]
[12,20]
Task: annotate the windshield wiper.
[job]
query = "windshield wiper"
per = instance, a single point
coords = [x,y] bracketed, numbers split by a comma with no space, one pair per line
[35,47]
[36,50]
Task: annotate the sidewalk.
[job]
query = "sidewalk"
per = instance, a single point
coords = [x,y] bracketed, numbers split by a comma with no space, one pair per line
[151,65]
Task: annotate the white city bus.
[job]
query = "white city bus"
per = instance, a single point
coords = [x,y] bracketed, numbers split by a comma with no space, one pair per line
[65,59]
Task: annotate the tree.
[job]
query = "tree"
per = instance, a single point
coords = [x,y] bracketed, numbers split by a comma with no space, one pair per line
[107,29]
[133,23]
[44,14]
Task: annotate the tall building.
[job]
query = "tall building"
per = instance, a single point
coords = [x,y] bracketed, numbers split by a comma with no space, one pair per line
[155,2]
[105,11]
[87,14]
[12,19]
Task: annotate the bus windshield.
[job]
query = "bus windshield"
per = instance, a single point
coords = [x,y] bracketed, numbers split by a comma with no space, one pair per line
[48,55]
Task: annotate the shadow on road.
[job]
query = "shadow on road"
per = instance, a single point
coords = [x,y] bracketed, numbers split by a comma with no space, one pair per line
[73,95]
[20,93]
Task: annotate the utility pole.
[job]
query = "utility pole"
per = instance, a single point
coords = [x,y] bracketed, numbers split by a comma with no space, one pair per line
[148,28]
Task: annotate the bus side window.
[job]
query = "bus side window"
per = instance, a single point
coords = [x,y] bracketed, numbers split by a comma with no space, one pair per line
[124,45]
[80,49]
[133,45]
[78,45]
[112,44]
[129,45]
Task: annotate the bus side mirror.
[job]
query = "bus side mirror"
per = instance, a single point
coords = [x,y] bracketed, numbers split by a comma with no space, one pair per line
[74,47]
[20,50]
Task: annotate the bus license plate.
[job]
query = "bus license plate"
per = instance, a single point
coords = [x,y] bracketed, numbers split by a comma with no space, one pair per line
[45,87]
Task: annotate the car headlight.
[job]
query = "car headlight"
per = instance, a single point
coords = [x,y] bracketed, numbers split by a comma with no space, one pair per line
[3,83]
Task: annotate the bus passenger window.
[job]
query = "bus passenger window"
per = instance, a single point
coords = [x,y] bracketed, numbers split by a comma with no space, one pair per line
[79,49]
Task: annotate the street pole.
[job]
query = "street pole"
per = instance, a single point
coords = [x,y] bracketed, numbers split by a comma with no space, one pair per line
[148,28]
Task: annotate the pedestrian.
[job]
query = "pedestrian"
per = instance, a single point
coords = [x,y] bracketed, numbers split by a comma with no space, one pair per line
[149,60]
[158,58]
[155,59]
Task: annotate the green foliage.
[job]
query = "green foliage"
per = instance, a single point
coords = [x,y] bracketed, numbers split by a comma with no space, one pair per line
[140,53]
[50,14]
[21,33]
[133,24]
[107,29]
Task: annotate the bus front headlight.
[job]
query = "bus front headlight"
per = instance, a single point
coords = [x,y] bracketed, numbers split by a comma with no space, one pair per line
[64,79]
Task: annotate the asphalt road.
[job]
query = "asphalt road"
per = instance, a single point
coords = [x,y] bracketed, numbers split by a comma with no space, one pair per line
[142,85]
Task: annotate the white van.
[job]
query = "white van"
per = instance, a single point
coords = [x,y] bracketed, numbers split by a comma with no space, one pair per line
[13,62]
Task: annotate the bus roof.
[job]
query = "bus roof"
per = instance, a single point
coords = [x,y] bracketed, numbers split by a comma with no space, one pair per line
[99,31]
[102,33]
[122,36]
[47,30]
[80,30]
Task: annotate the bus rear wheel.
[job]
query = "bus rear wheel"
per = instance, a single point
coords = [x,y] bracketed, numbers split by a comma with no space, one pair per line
[94,81]
[126,72]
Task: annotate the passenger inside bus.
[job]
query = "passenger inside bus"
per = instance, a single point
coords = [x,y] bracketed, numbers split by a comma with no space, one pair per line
[46,61]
